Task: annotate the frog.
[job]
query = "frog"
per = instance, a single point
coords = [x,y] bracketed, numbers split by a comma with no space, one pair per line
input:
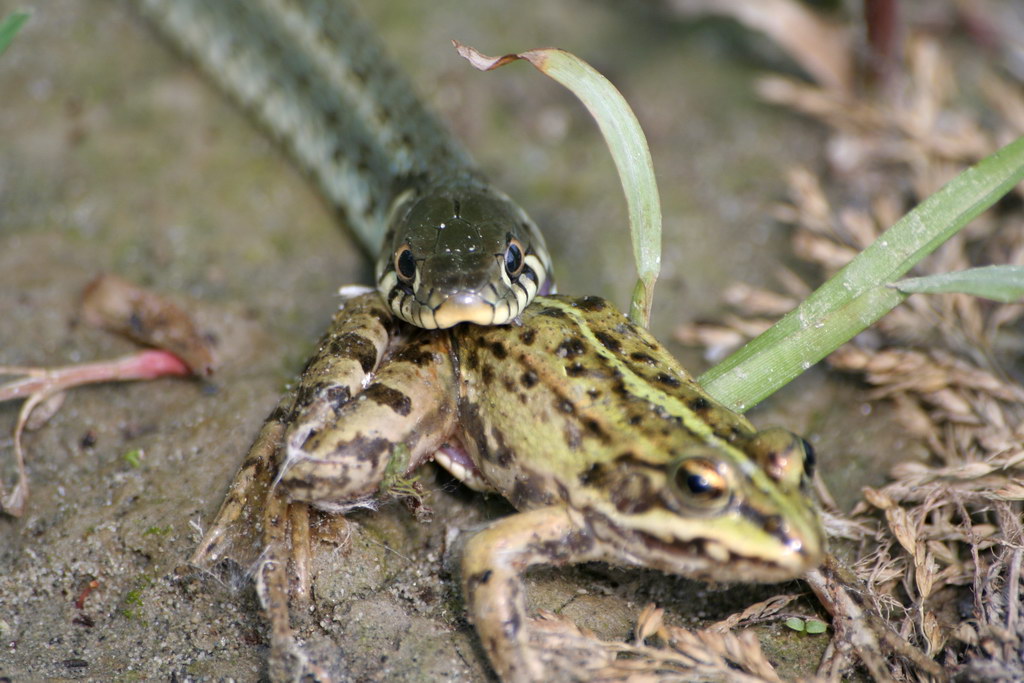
[606,447]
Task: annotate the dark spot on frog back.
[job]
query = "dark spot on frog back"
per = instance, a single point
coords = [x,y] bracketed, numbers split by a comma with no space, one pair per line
[334,394]
[388,397]
[575,369]
[571,347]
[593,475]
[498,349]
[530,490]
[528,336]
[552,312]
[470,358]
[593,428]
[667,379]
[641,357]
[416,355]
[632,334]
[501,453]
[592,304]
[369,450]
[608,341]
[356,347]
[384,319]
[337,396]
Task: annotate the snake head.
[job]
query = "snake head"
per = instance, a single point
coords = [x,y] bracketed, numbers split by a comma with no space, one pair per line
[461,252]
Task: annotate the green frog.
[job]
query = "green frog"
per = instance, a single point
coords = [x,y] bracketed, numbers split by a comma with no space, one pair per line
[604,444]
[607,448]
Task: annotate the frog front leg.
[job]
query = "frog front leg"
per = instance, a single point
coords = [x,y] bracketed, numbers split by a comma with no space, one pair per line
[492,567]
[340,455]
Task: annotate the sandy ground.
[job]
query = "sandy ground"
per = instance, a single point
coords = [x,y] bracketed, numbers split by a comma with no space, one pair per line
[116,156]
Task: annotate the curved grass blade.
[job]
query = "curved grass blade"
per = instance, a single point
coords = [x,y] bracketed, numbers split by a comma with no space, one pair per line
[859,294]
[625,140]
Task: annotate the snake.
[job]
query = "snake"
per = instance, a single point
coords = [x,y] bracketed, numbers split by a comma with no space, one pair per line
[450,247]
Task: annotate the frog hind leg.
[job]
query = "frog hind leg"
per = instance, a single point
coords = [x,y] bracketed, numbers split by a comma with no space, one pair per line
[342,456]
[236,534]
[287,548]
[349,351]
[492,565]
[256,527]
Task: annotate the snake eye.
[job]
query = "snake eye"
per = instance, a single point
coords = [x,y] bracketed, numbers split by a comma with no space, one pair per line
[405,263]
[700,483]
[513,257]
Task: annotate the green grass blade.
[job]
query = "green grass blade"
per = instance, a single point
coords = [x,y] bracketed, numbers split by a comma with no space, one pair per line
[9,28]
[859,294]
[629,149]
[999,283]
[632,156]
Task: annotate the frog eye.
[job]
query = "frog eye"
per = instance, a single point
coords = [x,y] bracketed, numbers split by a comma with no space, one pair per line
[810,458]
[514,259]
[783,456]
[405,263]
[701,483]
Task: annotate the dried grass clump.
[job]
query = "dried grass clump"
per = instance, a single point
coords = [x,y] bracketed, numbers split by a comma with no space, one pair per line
[716,653]
[943,566]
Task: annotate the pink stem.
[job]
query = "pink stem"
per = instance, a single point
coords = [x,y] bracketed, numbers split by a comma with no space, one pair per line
[144,365]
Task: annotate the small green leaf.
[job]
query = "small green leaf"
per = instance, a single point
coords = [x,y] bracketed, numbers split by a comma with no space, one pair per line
[134,457]
[9,28]
[795,623]
[999,283]
[815,626]
[398,465]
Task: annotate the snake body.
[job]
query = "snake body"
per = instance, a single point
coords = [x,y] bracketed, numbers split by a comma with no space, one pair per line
[450,248]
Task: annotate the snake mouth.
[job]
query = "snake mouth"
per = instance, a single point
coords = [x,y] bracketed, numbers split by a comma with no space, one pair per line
[438,310]
[464,300]
[465,307]
[448,291]
[441,310]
